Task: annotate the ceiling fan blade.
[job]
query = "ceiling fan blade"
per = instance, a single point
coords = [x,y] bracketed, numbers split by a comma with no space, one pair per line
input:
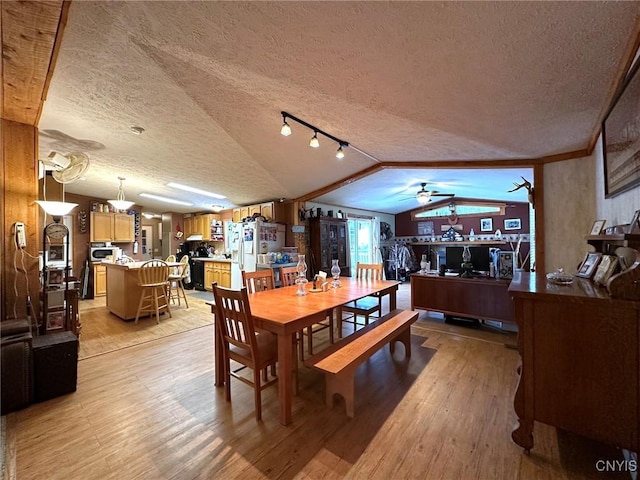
[443,194]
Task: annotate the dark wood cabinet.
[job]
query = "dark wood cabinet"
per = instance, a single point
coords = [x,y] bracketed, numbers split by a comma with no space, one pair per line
[329,240]
[580,352]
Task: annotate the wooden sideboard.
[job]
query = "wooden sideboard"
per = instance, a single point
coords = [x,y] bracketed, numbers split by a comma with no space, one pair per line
[483,298]
[580,361]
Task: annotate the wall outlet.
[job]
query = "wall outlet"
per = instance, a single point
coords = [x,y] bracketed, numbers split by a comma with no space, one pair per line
[21,235]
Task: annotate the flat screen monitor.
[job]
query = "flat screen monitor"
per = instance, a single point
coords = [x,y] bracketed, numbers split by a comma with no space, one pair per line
[479,258]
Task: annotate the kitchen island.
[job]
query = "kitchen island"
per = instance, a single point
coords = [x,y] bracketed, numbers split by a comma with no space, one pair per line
[123,291]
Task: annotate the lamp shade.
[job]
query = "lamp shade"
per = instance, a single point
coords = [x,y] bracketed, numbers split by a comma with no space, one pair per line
[56,209]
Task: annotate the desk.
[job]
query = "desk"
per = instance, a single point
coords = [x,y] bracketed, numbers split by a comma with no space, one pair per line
[580,361]
[284,313]
[483,298]
[123,291]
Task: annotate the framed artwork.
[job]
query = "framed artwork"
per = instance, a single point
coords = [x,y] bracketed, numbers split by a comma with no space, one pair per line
[607,266]
[589,265]
[55,320]
[634,226]
[597,227]
[621,138]
[486,224]
[512,224]
[54,277]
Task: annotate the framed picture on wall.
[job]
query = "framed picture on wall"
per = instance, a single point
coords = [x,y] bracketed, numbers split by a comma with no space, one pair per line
[621,138]
[486,224]
[512,224]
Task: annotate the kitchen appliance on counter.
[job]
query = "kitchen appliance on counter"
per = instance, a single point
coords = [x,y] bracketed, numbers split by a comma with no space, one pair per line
[247,240]
[99,253]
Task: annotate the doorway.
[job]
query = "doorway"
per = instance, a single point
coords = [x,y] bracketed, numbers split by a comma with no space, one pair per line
[147,242]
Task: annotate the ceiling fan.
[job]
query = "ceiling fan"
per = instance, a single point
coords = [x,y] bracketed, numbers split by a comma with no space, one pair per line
[423,196]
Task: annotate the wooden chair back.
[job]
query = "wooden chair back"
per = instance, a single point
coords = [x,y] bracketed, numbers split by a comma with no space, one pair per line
[153,273]
[235,322]
[288,275]
[259,280]
[369,271]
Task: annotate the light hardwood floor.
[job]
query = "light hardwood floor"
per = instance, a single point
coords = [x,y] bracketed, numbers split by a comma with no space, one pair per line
[151,411]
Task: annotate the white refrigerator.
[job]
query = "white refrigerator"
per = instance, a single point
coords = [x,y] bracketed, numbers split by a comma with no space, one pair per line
[247,240]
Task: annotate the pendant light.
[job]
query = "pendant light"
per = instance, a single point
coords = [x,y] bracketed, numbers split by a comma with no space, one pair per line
[286,129]
[340,153]
[314,142]
[120,203]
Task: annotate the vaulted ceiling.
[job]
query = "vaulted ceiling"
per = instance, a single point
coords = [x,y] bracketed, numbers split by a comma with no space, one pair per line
[411,84]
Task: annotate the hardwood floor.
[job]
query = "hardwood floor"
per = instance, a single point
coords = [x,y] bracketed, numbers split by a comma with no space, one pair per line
[151,411]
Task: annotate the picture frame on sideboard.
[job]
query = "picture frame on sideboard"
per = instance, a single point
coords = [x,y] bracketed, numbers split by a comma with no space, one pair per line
[597,227]
[607,266]
[588,266]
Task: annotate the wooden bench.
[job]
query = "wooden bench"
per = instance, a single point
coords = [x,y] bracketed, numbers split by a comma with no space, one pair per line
[340,360]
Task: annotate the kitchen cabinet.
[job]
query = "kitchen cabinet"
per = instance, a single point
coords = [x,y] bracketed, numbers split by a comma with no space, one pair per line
[254,209]
[112,227]
[329,240]
[189,226]
[209,276]
[99,280]
[219,272]
[207,225]
[266,210]
[272,211]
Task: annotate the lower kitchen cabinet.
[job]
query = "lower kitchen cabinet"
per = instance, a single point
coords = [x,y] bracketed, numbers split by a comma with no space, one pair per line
[99,280]
[219,272]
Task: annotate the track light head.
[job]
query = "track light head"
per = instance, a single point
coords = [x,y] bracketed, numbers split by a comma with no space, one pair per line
[286,129]
[340,153]
[314,142]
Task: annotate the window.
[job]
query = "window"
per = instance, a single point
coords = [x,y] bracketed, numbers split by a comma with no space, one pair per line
[362,244]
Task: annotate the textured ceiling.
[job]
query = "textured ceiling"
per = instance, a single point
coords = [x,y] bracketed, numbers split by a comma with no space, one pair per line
[402,81]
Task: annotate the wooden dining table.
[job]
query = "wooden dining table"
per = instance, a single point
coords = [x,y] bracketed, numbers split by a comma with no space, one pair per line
[284,313]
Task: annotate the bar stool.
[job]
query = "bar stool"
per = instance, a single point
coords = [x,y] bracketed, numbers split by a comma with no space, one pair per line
[153,277]
[175,288]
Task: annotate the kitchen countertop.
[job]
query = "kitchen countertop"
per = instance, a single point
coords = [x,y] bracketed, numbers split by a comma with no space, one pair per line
[212,259]
[276,265]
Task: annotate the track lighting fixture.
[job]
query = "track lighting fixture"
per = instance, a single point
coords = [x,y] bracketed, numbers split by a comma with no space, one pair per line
[314,142]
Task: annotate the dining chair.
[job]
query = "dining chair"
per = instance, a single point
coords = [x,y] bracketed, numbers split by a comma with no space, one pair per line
[252,349]
[288,277]
[176,289]
[369,305]
[259,280]
[153,276]
[170,258]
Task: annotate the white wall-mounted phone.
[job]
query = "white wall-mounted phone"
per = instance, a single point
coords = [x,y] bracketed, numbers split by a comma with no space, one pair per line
[21,235]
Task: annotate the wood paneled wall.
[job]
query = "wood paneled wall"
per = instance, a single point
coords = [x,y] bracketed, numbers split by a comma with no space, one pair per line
[19,180]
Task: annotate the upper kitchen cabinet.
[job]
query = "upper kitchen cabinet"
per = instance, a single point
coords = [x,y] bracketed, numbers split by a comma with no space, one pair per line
[112,227]
[272,211]
[209,226]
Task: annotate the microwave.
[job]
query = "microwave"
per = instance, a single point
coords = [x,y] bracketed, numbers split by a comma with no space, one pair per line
[97,254]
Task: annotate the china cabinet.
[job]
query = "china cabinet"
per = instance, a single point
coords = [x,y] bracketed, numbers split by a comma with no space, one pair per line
[329,241]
